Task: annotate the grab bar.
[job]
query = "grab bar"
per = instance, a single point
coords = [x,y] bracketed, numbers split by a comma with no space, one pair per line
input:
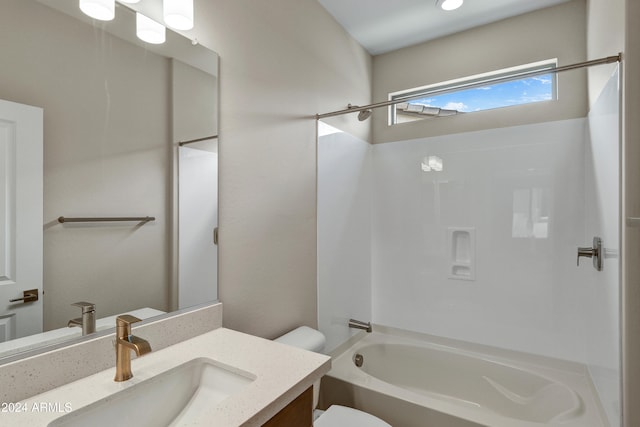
[358,324]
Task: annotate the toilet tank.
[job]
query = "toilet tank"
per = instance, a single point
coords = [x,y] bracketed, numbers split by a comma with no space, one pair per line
[310,339]
[304,337]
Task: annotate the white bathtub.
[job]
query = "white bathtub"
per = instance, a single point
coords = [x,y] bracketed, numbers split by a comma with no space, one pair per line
[414,380]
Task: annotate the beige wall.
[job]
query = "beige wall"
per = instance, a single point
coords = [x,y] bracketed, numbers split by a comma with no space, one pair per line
[281,62]
[106,153]
[194,106]
[556,32]
[631,208]
[605,37]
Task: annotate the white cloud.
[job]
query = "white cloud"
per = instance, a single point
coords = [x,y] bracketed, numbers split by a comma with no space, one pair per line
[543,80]
[528,99]
[460,106]
[484,88]
[536,98]
[423,101]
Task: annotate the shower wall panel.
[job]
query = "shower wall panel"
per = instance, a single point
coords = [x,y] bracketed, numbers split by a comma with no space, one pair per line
[344,234]
[522,190]
[602,211]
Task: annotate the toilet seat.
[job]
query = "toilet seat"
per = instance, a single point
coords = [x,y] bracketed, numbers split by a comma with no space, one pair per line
[341,416]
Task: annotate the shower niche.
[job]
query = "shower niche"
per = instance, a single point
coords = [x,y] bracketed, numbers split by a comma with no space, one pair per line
[462,256]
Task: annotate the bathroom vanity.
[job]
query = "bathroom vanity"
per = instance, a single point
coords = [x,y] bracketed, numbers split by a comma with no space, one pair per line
[296,413]
[220,378]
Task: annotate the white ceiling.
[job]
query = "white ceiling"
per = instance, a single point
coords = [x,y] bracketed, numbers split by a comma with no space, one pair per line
[385,25]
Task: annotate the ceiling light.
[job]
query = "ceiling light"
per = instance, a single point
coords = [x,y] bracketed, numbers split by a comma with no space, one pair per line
[178,14]
[449,4]
[103,10]
[149,30]
[129,1]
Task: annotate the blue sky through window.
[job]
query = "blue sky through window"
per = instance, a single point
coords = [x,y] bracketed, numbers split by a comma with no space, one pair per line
[524,91]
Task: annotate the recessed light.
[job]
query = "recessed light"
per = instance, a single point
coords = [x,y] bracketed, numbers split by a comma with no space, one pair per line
[449,4]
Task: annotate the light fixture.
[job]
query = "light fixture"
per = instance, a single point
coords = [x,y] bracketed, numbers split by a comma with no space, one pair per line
[178,14]
[129,1]
[435,163]
[431,163]
[103,10]
[149,30]
[449,4]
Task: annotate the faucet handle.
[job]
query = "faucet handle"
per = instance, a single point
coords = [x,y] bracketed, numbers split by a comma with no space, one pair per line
[126,320]
[87,307]
[123,325]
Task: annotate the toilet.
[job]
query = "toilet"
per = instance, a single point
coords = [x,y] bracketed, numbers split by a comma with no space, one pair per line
[336,416]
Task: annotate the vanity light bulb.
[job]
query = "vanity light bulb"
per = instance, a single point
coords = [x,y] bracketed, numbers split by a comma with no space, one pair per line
[424,165]
[149,30]
[178,14]
[431,163]
[450,4]
[102,10]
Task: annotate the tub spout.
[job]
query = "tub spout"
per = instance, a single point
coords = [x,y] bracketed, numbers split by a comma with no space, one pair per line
[357,324]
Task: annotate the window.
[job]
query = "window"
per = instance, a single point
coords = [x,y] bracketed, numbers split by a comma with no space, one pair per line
[502,88]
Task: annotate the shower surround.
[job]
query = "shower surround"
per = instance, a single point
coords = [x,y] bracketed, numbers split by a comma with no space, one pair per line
[530,195]
[507,184]
[522,190]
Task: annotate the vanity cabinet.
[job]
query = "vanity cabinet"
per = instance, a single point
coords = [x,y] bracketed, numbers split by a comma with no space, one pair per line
[298,413]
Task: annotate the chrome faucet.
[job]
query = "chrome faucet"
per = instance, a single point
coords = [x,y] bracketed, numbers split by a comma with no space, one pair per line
[88,320]
[357,324]
[125,343]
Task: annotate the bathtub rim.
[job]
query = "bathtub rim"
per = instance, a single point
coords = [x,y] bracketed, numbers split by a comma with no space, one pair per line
[547,367]
[471,347]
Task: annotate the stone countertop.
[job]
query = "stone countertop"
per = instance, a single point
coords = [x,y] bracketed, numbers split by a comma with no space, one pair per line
[282,373]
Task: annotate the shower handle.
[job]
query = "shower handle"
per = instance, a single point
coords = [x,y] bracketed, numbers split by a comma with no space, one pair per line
[595,252]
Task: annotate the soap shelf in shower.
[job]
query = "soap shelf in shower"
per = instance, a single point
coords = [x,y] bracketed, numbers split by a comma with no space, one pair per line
[462,253]
[461,271]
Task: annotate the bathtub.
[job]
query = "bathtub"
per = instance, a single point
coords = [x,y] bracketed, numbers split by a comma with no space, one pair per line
[416,380]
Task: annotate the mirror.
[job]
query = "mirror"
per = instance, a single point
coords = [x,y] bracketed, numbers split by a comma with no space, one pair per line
[114,109]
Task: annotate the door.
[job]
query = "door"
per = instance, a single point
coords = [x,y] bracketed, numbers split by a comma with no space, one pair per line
[198,217]
[21,162]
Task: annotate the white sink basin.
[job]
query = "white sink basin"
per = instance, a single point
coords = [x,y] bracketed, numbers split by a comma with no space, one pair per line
[174,398]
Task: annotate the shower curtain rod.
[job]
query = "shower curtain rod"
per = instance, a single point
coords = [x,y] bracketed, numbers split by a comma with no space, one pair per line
[191,141]
[606,60]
